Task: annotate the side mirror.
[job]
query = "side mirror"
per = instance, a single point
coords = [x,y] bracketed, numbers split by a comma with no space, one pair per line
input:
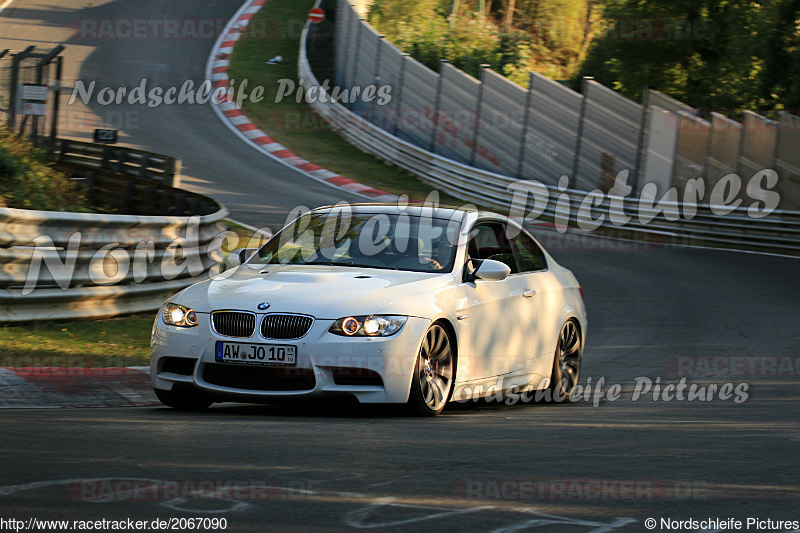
[239,256]
[491,270]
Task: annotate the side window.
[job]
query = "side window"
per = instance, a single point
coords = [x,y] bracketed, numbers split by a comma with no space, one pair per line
[489,241]
[530,256]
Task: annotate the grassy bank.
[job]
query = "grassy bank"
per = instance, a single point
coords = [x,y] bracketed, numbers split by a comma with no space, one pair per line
[28,181]
[120,341]
[276,32]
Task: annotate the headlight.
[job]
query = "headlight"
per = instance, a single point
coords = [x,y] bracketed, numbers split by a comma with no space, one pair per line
[368,326]
[178,315]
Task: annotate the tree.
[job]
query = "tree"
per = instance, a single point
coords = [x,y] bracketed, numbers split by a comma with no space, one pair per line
[713,54]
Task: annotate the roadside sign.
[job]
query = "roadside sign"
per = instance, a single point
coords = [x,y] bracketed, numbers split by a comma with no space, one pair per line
[34,92]
[34,108]
[105,136]
[33,100]
[316,15]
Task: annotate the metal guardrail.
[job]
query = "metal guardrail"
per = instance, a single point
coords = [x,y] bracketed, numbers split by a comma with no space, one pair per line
[77,265]
[131,195]
[56,265]
[780,232]
[125,161]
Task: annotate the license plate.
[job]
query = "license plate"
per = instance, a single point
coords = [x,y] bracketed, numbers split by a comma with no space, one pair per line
[256,354]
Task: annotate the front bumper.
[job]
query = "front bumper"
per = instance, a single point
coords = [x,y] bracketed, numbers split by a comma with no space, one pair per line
[321,356]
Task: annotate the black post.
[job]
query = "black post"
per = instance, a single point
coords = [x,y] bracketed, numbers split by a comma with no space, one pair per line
[579,140]
[436,100]
[524,136]
[56,100]
[637,171]
[399,99]
[16,59]
[477,118]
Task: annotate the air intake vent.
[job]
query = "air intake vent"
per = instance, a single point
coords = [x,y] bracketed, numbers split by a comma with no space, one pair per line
[285,326]
[260,378]
[233,323]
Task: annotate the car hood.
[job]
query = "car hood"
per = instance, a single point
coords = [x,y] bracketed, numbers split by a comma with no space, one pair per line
[326,292]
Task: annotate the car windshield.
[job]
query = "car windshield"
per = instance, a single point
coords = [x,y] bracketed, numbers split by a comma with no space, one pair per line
[374,240]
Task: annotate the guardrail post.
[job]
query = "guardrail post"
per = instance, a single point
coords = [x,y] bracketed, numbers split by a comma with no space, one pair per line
[741,145]
[122,156]
[377,76]
[127,198]
[436,100]
[637,171]
[62,145]
[526,115]
[90,184]
[144,162]
[776,151]
[478,110]
[149,199]
[343,26]
[106,160]
[166,201]
[579,137]
[401,81]
[180,203]
[172,172]
[709,144]
[358,49]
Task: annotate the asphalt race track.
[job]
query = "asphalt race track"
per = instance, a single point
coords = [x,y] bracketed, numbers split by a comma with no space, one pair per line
[711,316]
[257,190]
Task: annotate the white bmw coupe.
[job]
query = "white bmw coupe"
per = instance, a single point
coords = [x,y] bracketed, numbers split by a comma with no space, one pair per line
[410,305]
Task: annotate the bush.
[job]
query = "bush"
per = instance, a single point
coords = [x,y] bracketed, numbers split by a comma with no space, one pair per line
[548,36]
[27,180]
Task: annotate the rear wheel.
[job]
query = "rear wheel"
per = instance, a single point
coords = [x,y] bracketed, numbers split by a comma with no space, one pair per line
[184,401]
[432,382]
[566,363]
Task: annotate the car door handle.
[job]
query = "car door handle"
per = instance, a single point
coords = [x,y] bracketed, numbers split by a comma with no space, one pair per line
[528,293]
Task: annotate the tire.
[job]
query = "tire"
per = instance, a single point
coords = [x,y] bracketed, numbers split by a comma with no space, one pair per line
[183,401]
[567,363]
[434,371]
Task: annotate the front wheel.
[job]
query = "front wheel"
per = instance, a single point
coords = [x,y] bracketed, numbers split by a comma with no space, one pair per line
[566,363]
[432,382]
[185,401]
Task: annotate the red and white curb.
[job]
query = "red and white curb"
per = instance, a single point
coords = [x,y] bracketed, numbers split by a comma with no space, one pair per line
[54,387]
[236,121]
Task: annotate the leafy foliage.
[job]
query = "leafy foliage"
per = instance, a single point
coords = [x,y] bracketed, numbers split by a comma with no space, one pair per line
[27,180]
[712,54]
[549,36]
[723,55]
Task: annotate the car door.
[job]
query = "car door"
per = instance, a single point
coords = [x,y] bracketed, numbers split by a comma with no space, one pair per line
[544,300]
[501,312]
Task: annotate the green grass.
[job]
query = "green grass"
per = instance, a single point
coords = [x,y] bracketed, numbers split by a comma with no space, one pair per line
[297,126]
[121,341]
